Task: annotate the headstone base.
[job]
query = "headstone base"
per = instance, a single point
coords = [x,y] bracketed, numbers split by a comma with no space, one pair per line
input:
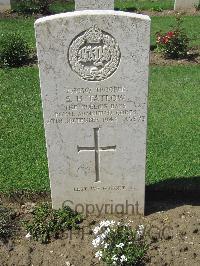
[185,4]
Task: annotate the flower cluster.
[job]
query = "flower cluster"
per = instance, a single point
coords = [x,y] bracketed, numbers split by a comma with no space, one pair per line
[102,231]
[166,38]
[174,43]
[118,243]
[140,232]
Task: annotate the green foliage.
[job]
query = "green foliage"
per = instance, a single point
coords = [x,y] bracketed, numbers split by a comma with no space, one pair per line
[33,6]
[6,225]
[173,145]
[175,43]
[173,120]
[49,223]
[119,244]
[197,7]
[62,6]
[138,5]
[43,6]
[163,23]
[172,140]
[157,8]
[14,50]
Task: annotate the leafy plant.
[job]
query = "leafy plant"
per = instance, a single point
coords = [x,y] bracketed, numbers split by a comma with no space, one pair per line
[47,222]
[6,225]
[119,244]
[33,6]
[131,9]
[43,6]
[197,7]
[157,8]
[14,50]
[174,44]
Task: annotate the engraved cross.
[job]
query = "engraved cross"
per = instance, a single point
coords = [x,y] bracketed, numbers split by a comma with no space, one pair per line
[97,151]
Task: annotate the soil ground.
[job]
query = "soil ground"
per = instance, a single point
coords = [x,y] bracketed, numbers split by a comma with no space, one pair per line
[193,58]
[172,228]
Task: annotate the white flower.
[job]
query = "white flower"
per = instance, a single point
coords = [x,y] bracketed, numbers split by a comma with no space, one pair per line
[28,236]
[96,230]
[127,225]
[106,245]
[114,257]
[141,227]
[123,258]
[120,245]
[112,222]
[103,235]
[106,223]
[107,231]
[140,231]
[98,254]
[96,242]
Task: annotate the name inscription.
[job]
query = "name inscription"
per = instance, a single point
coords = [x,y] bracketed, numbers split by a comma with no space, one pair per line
[98,105]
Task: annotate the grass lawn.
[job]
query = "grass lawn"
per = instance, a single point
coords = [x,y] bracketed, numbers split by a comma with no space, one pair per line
[23,159]
[190,24]
[155,5]
[174,122]
[173,127]
[173,142]
[22,25]
[25,26]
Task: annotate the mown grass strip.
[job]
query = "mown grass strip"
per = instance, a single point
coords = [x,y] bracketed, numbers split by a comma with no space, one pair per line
[26,27]
[173,127]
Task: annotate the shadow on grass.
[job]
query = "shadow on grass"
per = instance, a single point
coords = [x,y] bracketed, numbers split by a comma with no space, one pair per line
[161,196]
[172,193]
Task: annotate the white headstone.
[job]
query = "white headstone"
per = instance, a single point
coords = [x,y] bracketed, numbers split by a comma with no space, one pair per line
[4,5]
[185,4]
[94,4]
[94,85]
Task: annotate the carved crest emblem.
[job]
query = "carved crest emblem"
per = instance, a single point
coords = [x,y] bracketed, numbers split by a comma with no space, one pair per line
[94,54]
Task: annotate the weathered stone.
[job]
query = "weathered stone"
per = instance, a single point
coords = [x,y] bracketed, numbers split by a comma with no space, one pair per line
[185,4]
[4,5]
[94,4]
[94,83]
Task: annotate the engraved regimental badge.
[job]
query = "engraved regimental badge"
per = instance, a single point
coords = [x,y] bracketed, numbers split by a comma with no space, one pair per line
[94,54]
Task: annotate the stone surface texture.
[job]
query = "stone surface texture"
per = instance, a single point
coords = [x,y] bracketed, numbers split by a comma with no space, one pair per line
[94,86]
[94,4]
[4,5]
[185,4]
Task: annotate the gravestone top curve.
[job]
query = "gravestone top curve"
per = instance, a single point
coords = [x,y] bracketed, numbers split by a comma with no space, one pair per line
[90,13]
